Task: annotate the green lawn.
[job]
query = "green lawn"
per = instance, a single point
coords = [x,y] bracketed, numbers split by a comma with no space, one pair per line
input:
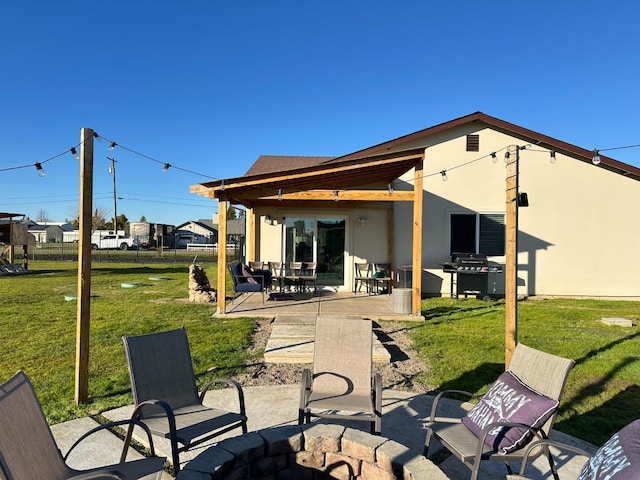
[462,341]
[38,329]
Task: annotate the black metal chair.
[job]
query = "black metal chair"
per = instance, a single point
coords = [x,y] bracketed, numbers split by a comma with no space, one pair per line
[28,449]
[166,397]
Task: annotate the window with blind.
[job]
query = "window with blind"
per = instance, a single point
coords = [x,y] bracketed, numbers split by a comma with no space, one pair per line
[477,233]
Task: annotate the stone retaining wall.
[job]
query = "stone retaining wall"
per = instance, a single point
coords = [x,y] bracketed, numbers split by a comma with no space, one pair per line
[309,452]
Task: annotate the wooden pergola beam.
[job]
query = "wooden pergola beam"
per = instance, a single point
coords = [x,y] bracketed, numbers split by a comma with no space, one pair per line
[330,195]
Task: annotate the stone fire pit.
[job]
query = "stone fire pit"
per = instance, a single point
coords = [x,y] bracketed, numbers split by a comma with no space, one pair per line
[309,452]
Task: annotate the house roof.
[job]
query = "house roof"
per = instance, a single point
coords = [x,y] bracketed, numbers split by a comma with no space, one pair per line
[279,163]
[378,164]
[321,174]
[529,136]
[205,226]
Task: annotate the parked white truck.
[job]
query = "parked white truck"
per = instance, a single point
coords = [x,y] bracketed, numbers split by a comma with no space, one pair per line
[101,241]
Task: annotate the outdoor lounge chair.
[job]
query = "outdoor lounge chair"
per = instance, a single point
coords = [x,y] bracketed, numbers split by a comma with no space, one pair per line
[28,450]
[523,401]
[241,283]
[165,394]
[618,458]
[341,385]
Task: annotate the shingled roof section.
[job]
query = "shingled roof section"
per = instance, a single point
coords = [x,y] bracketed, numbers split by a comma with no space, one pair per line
[280,163]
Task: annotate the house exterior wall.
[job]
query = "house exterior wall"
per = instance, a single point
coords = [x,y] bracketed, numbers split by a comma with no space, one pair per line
[574,238]
[366,240]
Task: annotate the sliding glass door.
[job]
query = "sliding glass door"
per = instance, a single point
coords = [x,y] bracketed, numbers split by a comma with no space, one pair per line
[320,240]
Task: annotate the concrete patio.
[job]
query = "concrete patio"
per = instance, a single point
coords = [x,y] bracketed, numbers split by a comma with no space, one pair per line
[403,419]
[325,302]
[404,413]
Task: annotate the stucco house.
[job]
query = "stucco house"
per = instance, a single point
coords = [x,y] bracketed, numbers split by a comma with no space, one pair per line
[416,199]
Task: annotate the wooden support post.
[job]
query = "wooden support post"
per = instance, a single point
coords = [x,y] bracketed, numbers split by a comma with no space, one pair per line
[222,256]
[511,270]
[83,314]
[390,232]
[251,248]
[416,274]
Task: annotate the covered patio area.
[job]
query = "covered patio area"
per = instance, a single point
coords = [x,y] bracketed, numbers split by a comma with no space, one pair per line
[333,195]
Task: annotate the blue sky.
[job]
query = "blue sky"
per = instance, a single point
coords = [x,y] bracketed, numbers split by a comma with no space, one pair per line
[208,86]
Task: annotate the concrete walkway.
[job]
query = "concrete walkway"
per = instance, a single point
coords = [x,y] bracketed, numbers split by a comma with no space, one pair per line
[292,340]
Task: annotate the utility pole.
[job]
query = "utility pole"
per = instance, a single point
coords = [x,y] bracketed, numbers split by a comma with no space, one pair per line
[112,171]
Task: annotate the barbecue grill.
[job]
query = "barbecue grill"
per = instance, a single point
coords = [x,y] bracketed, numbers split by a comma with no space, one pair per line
[470,274]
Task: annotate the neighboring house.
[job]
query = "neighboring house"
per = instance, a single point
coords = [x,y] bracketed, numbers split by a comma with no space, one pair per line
[574,239]
[202,229]
[48,232]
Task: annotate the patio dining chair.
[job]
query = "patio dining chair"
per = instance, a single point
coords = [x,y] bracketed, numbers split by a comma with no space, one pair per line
[362,277]
[342,385]
[277,276]
[29,451]
[381,278]
[166,397]
[308,276]
[617,459]
[519,407]
[292,275]
[256,265]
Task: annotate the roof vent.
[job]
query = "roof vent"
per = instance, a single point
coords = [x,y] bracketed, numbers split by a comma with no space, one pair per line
[473,143]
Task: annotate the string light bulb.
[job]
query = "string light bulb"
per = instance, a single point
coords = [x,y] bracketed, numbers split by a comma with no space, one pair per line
[112,146]
[596,157]
[222,186]
[552,156]
[506,156]
[390,186]
[74,152]
[166,167]
[494,158]
[444,175]
[336,196]
[279,194]
[39,169]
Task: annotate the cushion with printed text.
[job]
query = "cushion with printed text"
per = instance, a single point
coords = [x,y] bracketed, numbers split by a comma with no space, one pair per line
[509,400]
[618,458]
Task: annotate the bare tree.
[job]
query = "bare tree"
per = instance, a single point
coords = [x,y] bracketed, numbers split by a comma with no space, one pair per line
[43,216]
[99,219]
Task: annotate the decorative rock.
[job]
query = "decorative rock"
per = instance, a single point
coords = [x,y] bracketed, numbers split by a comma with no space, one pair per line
[200,290]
